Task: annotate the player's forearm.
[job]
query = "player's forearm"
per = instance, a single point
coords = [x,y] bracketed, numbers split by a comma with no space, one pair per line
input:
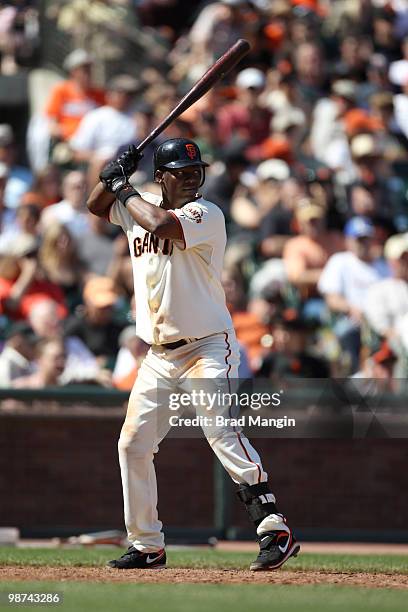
[100,201]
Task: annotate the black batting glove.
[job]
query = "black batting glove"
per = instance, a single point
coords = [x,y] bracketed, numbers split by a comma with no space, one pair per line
[116,173]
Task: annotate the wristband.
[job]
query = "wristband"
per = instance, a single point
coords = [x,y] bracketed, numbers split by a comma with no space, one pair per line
[126,192]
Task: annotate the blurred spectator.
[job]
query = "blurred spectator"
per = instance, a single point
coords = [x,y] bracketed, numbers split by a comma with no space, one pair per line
[19,177]
[23,283]
[61,264]
[97,251]
[26,223]
[46,188]
[70,211]
[310,72]
[96,325]
[378,369]
[18,353]
[387,300]
[18,35]
[328,134]
[217,27]
[401,107]
[245,118]
[120,268]
[70,100]
[345,281]
[292,354]
[249,327]
[80,364]
[131,353]
[7,216]
[220,186]
[249,209]
[284,192]
[50,362]
[376,81]
[306,255]
[398,71]
[103,130]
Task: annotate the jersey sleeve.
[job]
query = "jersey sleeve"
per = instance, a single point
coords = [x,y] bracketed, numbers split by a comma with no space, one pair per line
[118,215]
[199,222]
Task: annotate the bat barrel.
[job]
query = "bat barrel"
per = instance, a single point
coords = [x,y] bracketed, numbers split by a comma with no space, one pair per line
[214,74]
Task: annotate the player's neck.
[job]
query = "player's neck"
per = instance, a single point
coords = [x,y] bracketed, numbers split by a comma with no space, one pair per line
[177,204]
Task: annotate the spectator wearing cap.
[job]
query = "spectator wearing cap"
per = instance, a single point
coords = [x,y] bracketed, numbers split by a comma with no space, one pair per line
[18,353]
[103,130]
[246,117]
[344,283]
[387,300]
[70,211]
[19,177]
[71,99]
[292,353]
[96,325]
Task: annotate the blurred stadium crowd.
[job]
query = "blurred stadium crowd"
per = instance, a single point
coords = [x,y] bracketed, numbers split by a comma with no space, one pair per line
[308,146]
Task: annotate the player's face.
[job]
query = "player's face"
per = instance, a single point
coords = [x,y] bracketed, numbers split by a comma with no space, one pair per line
[180,185]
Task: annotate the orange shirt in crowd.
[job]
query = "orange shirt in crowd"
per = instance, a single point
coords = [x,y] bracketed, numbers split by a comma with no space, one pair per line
[68,104]
[38,291]
[250,330]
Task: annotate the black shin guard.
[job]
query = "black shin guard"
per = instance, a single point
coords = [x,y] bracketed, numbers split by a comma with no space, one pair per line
[251,495]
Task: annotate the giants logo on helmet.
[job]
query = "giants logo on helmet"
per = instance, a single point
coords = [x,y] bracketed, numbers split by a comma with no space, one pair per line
[191,151]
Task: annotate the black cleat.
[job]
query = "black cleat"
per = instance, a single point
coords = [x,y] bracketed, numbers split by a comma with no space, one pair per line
[135,559]
[275,547]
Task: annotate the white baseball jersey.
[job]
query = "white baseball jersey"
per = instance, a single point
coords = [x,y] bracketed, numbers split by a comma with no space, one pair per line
[177,284]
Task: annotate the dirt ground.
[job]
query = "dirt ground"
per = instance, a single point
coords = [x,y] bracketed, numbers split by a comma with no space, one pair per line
[203,576]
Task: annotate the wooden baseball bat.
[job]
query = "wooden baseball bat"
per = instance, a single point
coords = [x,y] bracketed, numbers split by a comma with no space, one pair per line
[214,74]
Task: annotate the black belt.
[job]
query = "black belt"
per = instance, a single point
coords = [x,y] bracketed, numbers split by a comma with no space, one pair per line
[175,345]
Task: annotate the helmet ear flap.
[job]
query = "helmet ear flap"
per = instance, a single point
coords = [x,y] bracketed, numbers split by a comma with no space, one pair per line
[202,168]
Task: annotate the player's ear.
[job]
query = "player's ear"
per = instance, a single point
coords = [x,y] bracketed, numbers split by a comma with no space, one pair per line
[158,176]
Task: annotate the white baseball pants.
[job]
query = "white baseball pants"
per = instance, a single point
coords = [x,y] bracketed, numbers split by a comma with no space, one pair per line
[147,423]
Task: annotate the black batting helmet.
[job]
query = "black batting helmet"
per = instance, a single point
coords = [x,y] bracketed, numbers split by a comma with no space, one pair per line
[177,153]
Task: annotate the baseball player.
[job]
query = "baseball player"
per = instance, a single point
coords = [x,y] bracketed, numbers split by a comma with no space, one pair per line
[177,244]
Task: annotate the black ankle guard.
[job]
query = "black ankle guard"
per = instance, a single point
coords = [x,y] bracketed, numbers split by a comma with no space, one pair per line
[250,495]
